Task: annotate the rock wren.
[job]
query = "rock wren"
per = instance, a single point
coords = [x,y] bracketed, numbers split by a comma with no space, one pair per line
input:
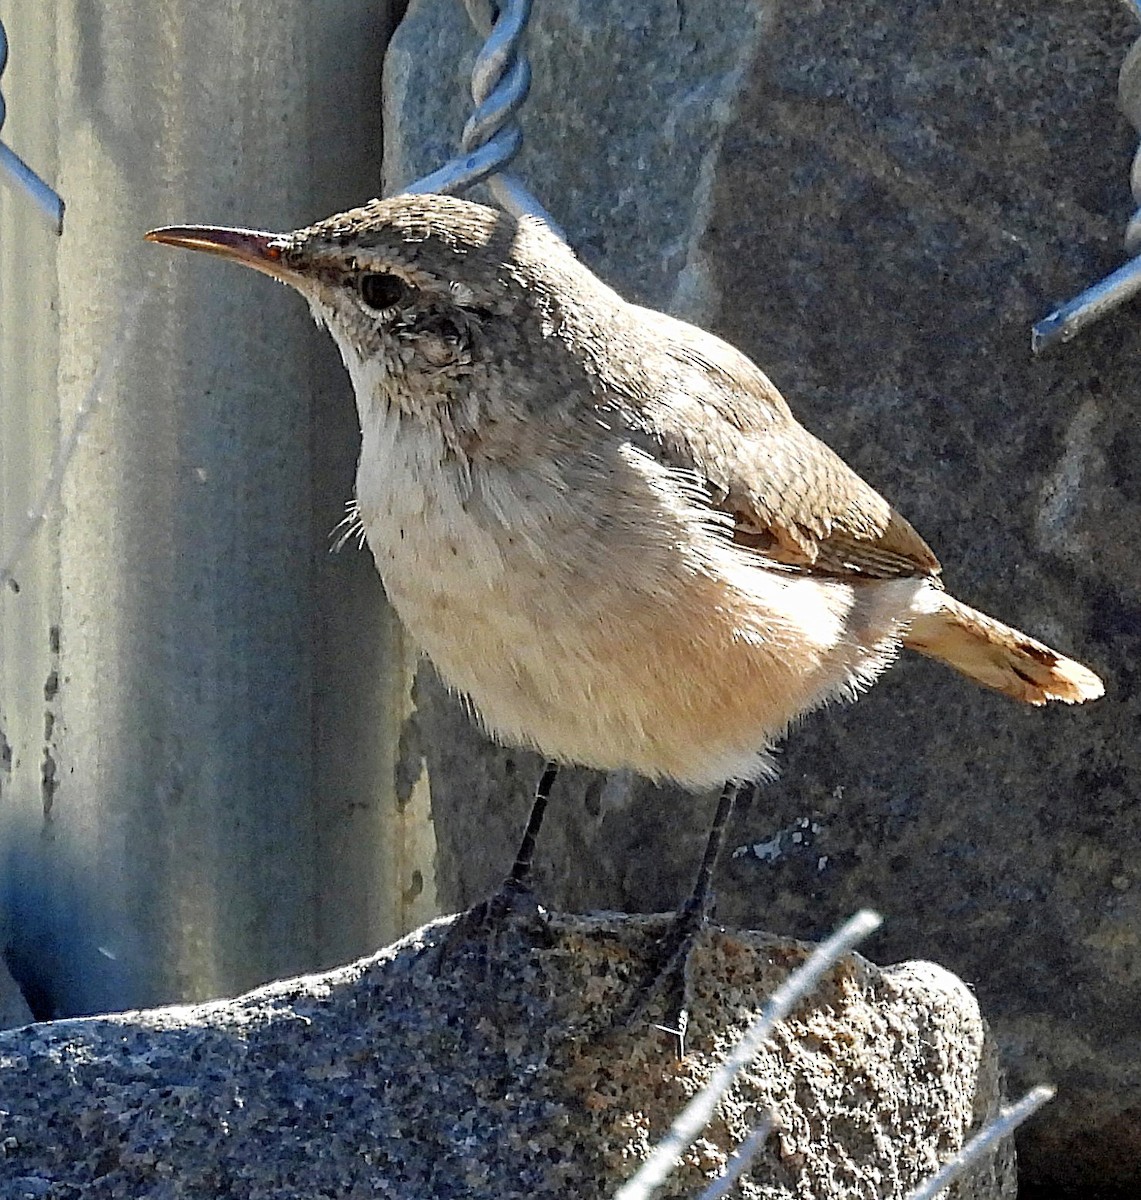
[604,525]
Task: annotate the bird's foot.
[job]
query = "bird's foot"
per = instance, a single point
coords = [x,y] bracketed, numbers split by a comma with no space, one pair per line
[671,973]
[513,906]
[676,947]
[474,932]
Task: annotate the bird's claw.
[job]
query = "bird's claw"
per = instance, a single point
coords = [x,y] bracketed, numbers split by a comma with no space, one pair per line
[513,904]
[672,972]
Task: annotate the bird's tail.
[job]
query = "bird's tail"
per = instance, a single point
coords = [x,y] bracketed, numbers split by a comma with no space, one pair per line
[997,656]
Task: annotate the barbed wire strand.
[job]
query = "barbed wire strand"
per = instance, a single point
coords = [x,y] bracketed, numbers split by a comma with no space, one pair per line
[740,1160]
[1067,321]
[995,1130]
[697,1113]
[991,1133]
[15,172]
[1002,1126]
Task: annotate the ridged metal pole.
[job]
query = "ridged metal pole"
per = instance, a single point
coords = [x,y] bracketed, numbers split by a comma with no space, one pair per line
[184,664]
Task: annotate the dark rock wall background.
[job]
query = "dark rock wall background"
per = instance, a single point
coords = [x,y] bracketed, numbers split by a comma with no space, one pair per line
[875,200]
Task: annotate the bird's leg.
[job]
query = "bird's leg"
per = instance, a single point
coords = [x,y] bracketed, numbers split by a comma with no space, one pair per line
[513,895]
[701,897]
[520,876]
[676,947]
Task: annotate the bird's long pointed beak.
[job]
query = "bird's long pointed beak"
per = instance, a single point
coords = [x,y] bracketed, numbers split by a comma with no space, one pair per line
[250,247]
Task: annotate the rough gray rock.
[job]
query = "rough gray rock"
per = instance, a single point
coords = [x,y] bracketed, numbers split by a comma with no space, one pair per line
[501,1075]
[874,200]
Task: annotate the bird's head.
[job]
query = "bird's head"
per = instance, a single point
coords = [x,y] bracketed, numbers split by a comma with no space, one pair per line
[419,292]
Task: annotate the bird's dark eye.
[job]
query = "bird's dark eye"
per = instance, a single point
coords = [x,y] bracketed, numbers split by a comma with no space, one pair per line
[380,291]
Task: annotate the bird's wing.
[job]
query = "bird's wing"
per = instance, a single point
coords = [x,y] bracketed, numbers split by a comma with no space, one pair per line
[701,406]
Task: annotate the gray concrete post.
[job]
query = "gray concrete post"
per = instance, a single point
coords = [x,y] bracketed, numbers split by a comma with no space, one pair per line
[179,813]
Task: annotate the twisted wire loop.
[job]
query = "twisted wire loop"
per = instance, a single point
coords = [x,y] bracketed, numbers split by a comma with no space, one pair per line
[15,172]
[1114,290]
[500,81]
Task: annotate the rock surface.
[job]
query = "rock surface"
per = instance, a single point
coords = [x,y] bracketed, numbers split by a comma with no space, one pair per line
[501,1075]
[875,200]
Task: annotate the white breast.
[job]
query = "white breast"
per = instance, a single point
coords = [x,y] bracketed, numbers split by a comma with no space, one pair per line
[414,506]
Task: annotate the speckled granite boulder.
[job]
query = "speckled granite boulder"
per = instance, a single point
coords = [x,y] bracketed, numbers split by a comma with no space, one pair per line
[500,1076]
[874,200]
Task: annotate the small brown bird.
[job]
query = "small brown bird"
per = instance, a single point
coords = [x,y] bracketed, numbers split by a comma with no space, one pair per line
[603,525]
